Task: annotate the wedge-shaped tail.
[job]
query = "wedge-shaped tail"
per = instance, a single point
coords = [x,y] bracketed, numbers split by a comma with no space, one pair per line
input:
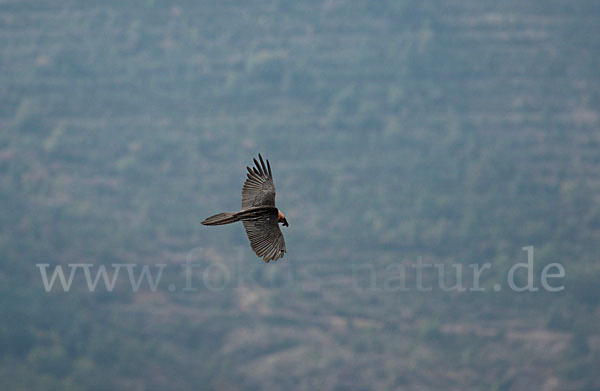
[221,219]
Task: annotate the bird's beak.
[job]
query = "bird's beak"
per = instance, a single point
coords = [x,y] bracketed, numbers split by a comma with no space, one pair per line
[285,223]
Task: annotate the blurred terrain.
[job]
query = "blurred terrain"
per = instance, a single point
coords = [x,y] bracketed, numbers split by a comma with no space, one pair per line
[448,131]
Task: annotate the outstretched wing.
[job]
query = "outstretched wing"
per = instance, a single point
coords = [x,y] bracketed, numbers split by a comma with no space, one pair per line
[259,189]
[265,236]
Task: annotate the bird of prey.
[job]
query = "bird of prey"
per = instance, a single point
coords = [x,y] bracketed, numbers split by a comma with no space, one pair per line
[259,215]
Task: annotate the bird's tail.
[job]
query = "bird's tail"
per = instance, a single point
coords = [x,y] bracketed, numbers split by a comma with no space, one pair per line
[221,218]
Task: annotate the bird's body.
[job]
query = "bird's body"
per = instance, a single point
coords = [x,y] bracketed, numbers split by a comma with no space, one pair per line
[259,215]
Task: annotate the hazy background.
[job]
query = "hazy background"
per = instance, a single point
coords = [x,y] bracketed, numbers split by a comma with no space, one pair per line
[455,131]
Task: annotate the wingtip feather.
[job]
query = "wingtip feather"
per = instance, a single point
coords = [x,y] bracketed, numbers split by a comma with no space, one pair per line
[258,167]
[262,163]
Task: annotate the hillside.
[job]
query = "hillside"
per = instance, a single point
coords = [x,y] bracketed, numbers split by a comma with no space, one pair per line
[443,132]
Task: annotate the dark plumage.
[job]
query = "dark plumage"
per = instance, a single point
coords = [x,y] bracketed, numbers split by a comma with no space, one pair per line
[259,215]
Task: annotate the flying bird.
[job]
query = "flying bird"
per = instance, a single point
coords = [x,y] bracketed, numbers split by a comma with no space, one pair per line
[259,215]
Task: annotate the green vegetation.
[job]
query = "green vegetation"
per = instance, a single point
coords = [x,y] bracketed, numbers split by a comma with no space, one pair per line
[458,132]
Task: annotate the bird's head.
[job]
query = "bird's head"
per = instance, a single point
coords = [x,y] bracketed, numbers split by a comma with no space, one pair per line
[281,219]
